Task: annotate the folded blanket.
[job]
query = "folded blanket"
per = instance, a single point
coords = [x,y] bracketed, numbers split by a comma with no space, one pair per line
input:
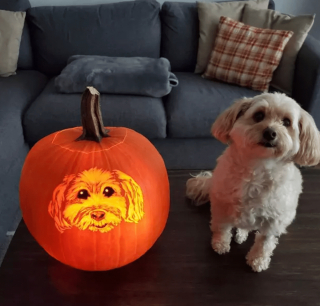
[117,75]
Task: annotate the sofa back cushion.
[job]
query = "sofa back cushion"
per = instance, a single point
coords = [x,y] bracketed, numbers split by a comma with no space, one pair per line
[25,60]
[180,34]
[130,28]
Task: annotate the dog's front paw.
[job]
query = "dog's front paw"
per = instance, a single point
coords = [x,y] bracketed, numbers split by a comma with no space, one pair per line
[241,236]
[220,247]
[258,264]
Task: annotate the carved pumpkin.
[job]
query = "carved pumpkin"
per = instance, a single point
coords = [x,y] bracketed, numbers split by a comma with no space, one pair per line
[94,198]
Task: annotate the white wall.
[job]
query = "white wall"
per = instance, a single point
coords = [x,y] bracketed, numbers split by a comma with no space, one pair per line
[294,7]
[299,7]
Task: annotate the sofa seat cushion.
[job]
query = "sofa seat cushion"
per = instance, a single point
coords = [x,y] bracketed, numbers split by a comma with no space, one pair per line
[53,111]
[193,153]
[194,105]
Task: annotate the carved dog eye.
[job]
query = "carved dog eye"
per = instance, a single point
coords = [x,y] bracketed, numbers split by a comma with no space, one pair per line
[258,116]
[83,194]
[286,122]
[108,192]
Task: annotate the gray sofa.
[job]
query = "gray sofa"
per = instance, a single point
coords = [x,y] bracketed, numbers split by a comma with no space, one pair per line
[177,124]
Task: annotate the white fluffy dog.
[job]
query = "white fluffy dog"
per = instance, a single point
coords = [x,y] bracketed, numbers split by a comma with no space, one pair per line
[255,185]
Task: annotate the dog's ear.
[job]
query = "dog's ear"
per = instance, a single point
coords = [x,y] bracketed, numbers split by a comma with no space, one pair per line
[133,195]
[309,151]
[224,123]
[56,204]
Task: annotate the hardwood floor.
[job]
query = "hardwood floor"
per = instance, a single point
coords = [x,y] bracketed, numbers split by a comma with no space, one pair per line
[181,269]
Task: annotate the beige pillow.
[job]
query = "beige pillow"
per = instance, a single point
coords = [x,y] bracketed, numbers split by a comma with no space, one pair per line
[300,25]
[209,17]
[11,26]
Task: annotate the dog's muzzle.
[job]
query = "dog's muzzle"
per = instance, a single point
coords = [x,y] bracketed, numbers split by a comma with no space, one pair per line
[269,138]
[98,215]
[101,218]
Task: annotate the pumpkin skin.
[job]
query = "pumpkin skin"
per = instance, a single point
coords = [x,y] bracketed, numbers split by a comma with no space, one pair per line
[121,181]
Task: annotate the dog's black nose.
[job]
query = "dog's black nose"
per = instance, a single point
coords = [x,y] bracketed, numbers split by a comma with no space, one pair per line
[98,215]
[269,134]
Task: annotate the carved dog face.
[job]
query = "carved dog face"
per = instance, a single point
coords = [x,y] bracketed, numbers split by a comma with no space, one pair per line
[96,200]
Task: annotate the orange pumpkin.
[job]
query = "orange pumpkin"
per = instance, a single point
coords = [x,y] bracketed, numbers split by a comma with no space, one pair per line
[94,198]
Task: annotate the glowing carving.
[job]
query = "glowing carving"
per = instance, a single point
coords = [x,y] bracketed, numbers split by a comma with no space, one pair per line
[96,200]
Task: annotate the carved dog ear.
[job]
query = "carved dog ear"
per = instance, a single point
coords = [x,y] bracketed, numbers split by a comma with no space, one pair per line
[56,205]
[224,123]
[309,151]
[133,195]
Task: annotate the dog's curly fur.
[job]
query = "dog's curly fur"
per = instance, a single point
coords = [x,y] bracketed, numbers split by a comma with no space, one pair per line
[96,200]
[256,185]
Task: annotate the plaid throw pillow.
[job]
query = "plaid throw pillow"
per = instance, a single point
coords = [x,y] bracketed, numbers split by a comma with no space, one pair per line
[246,55]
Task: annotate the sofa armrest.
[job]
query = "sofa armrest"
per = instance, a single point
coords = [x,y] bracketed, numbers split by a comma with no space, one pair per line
[17,92]
[306,84]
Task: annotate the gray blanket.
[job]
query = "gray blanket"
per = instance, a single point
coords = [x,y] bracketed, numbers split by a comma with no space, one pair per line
[117,75]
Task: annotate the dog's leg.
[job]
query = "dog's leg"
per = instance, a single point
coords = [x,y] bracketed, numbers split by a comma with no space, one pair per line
[221,238]
[241,235]
[260,254]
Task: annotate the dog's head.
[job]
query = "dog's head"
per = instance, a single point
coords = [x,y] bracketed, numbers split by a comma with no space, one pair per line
[270,125]
[96,200]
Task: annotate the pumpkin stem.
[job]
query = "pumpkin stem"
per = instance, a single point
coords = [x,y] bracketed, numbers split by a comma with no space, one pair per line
[91,118]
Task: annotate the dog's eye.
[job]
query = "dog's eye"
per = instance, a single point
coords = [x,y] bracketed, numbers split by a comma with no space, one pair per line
[83,194]
[258,116]
[286,122]
[108,192]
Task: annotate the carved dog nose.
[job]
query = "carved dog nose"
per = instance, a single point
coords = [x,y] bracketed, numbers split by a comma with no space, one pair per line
[269,134]
[98,215]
